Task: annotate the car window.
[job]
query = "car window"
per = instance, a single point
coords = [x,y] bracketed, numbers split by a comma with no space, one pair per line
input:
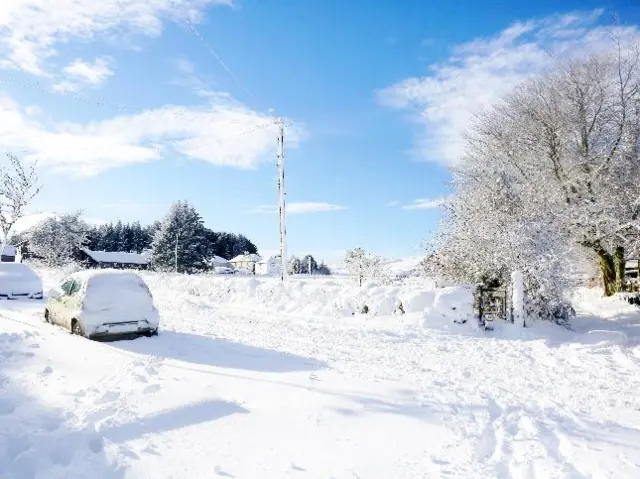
[70,287]
[67,287]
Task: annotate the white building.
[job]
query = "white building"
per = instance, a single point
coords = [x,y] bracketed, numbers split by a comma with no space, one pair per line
[246,262]
[268,267]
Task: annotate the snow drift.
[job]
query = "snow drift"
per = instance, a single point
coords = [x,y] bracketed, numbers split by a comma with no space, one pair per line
[318,296]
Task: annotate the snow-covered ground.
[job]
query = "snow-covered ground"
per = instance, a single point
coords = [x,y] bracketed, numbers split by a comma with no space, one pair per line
[247,380]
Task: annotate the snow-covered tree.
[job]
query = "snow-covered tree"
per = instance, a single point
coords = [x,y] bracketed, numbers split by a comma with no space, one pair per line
[295,265]
[549,172]
[57,240]
[363,266]
[323,269]
[180,244]
[18,187]
[309,265]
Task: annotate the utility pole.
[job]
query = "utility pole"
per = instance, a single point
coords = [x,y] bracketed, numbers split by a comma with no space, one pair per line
[283,227]
[176,252]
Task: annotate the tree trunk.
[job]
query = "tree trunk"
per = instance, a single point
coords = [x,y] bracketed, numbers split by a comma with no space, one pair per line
[608,271]
[619,263]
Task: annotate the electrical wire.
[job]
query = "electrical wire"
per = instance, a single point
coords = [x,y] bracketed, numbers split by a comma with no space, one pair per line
[215,55]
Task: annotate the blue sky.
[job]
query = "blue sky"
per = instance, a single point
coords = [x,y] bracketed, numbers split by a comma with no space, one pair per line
[127,109]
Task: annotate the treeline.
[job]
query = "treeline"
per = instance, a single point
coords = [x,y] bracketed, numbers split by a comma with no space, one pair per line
[179,242]
[307,265]
[136,238]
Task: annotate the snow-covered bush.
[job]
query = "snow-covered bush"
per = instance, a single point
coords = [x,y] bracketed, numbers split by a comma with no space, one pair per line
[363,266]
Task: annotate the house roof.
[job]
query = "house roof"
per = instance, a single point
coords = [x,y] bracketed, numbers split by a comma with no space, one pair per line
[9,250]
[218,259]
[117,257]
[246,258]
[271,260]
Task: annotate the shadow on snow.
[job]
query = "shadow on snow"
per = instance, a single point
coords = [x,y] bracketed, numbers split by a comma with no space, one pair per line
[173,419]
[211,351]
[36,440]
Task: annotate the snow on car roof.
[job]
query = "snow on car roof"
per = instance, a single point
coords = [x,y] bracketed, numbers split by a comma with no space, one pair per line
[16,269]
[109,274]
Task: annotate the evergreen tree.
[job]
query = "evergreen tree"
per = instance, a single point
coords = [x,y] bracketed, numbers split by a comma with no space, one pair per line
[295,265]
[323,269]
[309,265]
[181,241]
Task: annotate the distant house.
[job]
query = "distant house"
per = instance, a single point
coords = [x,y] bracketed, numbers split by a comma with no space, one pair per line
[114,259]
[220,262]
[268,267]
[246,261]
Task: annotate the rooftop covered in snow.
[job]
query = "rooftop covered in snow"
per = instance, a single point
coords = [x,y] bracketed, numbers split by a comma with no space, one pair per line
[117,257]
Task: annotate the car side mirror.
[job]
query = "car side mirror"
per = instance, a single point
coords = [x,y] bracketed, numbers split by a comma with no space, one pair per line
[54,293]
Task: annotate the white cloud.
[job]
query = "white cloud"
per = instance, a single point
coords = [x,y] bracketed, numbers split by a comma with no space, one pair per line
[31,29]
[94,73]
[222,133]
[298,208]
[80,72]
[480,72]
[422,204]
[187,77]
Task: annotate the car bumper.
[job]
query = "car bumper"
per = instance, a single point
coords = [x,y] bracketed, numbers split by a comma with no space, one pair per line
[21,296]
[123,330]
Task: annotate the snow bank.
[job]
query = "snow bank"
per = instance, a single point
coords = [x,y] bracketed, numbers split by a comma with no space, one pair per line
[317,296]
[451,304]
[328,297]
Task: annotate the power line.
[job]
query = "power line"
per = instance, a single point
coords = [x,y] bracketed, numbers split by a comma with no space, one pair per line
[213,52]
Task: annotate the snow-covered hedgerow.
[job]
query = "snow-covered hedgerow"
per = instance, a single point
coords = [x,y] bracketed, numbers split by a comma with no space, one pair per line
[330,296]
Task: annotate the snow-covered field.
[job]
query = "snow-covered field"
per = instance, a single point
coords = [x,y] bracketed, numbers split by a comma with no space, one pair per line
[250,380]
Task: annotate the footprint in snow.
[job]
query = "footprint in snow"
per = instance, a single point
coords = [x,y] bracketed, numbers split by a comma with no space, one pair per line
[62,455]
[108,397]
[153,388]
[221,473]
[6,407]
[96,444]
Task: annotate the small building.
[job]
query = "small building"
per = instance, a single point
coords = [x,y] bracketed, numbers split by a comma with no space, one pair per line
[115,259]
[268,267]
[246,261]
[220,262]
[9,253]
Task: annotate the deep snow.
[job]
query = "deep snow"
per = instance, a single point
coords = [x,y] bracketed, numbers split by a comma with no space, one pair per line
[251,380]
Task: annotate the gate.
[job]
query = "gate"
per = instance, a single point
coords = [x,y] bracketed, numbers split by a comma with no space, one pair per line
[493,303]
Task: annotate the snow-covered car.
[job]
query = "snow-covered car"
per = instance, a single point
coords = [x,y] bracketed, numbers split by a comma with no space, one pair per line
[17,280]
[103,303]
[224,270]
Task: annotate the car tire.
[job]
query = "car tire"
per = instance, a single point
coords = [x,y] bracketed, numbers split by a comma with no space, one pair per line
[47,316]
[76,328]
[153,332]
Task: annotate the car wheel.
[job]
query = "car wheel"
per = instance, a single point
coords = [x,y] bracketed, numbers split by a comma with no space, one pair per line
[47,318]
[153,332]
[76,328]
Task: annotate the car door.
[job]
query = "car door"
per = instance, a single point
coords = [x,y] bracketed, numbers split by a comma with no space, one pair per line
[55,307]
[66,306]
